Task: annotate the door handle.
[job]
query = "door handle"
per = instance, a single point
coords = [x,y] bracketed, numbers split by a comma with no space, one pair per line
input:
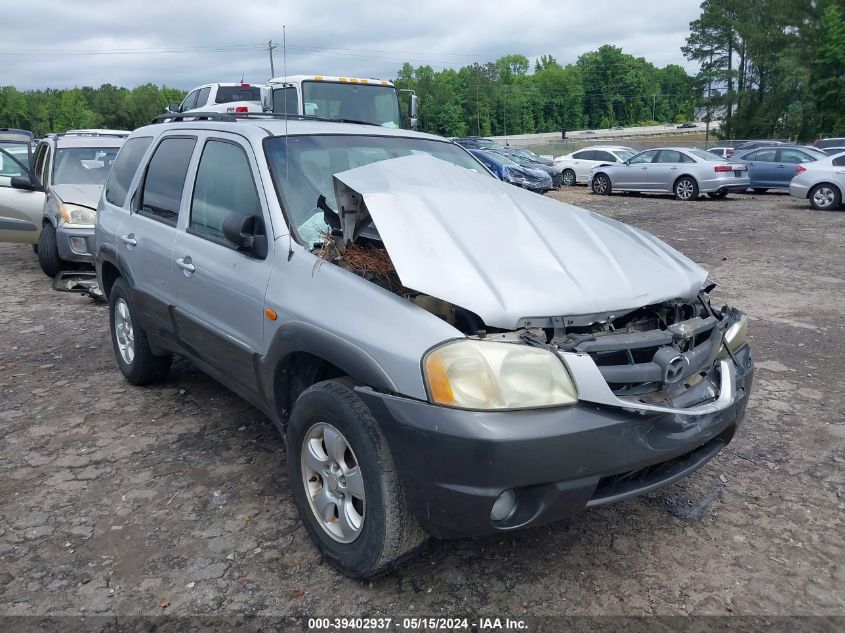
[186,265]
[129,240]
[673,168]
[781,166]
[643,167]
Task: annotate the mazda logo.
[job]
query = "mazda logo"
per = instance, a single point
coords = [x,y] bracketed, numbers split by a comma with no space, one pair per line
[674,369]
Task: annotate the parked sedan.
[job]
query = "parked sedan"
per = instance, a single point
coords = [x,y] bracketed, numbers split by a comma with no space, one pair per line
[773,167]
[524,160]
[830,151]
[682,171]
[578,165]
[513,173]
[821,182]
[723,152]
[20,210]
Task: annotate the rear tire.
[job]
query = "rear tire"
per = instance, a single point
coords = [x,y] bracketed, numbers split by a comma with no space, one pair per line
[131,347]
[686,188]
[48,251]
[825,196]
[601,185]
[569,178]
[332,437]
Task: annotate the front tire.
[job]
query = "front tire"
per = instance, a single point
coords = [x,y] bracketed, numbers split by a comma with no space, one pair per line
[48,251]
[131,347]
[601,185]
[569,178]
[686,188]
[345,484]
[825,197]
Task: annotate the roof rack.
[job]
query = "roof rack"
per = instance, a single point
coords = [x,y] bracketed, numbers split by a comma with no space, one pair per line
[85,133]
[179,117]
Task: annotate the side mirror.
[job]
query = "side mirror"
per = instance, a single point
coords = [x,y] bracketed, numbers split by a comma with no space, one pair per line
[246,233]
[173,108]
[412,110]
[23,182]
[266,98]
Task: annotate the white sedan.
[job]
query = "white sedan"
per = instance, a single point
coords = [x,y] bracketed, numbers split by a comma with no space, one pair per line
[822,182]
[578,165]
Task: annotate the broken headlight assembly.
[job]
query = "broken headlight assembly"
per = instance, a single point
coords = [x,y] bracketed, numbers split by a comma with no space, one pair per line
[75,214]
[485,375]
[735,336]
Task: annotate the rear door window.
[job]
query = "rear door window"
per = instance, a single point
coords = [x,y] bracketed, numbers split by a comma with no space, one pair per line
[224,185]
[606,157]
[764,155]
[793,156]
[669,156]
[124,168]
[161,194]
[585,155]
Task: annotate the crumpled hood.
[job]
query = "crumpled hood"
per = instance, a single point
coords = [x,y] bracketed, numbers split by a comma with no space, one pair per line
[505,253]
[84,195]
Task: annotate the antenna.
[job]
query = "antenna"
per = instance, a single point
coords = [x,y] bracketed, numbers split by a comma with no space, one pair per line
[285,87]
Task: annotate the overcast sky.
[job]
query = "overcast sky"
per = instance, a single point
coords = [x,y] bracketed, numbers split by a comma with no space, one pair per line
[182,43]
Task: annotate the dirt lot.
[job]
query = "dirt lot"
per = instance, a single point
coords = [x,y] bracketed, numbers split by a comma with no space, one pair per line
[174,499]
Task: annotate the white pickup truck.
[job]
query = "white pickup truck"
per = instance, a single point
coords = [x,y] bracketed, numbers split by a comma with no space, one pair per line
[221,97]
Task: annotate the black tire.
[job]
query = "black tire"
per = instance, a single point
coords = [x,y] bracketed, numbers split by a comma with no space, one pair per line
[35,248]
[827,202]
[144,367]
[602,185]
[686,188]
[389,534]
[760,190]
[569,178]
[48,252]
[718,195]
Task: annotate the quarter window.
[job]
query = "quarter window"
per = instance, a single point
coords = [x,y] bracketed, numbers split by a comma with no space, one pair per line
[794,156]
[162,192]
[224,186]
[839,162]
[123,170]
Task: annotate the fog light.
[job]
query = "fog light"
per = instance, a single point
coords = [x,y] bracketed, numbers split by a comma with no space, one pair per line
[78,245]
[504,506]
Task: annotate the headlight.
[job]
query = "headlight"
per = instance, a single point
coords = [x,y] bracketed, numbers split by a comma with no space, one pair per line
[471,374]
[735,337]
[74,214]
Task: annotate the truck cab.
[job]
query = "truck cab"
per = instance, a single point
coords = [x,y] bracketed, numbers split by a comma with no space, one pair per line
[374,101]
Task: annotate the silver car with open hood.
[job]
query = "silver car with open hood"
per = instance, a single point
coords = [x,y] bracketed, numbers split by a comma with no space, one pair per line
[445,354]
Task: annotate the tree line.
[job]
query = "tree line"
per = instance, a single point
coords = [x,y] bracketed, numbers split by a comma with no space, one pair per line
[108,106]
[773,68]
[768,68]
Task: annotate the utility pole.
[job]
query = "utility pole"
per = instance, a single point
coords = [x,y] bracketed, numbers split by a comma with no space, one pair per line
[653,103]
[270,47]
[477,112]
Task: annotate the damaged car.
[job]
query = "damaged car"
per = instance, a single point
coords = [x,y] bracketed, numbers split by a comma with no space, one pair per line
[445,355]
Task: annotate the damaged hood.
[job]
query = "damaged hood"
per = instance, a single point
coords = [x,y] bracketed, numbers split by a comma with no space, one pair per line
[506,253]
[83,195]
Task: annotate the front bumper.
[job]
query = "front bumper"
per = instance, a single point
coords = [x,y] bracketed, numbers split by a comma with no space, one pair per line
[454,464]
[75,244]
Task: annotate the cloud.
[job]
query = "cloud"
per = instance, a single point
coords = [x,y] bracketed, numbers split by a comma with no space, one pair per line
[57,43]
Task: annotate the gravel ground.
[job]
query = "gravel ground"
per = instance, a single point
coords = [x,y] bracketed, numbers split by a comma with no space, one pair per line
[174,499]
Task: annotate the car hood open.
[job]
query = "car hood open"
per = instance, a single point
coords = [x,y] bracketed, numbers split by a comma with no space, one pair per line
[505,253]
[84,195]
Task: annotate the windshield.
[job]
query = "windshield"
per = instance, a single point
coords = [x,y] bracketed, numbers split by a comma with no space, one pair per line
[303,167]
[8,167]
[708,156]
[83,165]
[356,102]
[815,153]
[624,154]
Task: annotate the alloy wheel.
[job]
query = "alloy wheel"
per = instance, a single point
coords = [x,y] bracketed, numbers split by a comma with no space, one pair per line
[823,197]
[123,331]
[684,189]
[333,482]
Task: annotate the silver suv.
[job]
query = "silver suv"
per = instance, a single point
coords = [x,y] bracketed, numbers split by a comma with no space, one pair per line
[444,353]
